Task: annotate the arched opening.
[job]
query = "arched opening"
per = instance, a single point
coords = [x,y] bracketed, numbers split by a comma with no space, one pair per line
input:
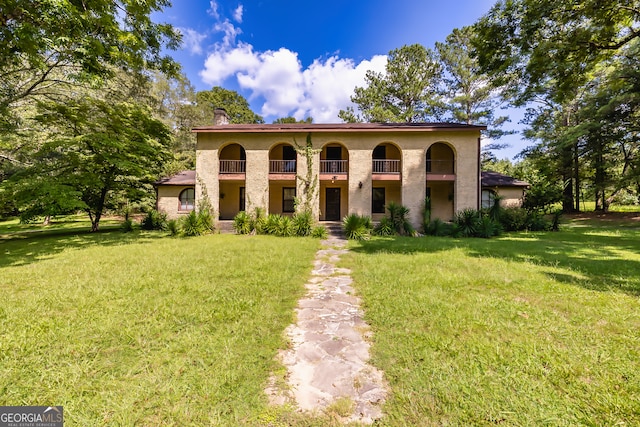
[334,176]
[232,180]
[386,186]
[441,177]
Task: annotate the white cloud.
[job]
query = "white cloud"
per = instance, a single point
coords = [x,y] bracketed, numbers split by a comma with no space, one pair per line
[213,9]
[192,40]
[230,33]
[237,14]
[278,79]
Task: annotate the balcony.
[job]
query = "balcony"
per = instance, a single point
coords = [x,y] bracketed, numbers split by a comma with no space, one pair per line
[441,170]
[282,166]
[386,166]
[339,167]
[233,167]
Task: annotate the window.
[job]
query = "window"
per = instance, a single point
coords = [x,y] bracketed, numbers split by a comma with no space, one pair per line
[288,196]
[187,199]
[488,199]
[242,198]
[377,200]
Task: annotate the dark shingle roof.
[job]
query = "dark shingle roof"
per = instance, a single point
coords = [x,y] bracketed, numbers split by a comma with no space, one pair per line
[495,179]
[338,127]
[181,178]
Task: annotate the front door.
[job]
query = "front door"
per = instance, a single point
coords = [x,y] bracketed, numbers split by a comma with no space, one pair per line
[332,204]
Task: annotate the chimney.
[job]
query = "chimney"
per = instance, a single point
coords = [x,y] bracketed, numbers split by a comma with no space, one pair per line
[220,117]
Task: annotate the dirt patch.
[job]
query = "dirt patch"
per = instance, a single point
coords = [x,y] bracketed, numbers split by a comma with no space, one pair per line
[605,216]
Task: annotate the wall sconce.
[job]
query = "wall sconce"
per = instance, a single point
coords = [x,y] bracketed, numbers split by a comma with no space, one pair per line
[333,179]
[222,195]
[360,184]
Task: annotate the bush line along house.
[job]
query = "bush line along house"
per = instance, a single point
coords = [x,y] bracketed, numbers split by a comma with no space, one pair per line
[354,168]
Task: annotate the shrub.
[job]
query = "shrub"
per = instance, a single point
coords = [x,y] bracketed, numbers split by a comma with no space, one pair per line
[514,219]
[205,221]
[357,227]
[190,224]
[271,224]
[173,227]
[437,227]
[468,221]
[487,227]
[258,220]
[154,220]
[127,225]
[319,232]
[302,223]
[384,227]
[242,223]
[285,227]
[398,216]
[537,222]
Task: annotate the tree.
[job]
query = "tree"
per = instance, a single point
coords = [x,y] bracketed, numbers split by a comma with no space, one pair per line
[290,119]
[235,104]
[46,47]
[554,54]
[471,97]
[533,43]
[95,150]
[406,92]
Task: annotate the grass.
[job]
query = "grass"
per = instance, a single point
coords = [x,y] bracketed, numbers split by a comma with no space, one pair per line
[135,329]
[526,329]
[142,329]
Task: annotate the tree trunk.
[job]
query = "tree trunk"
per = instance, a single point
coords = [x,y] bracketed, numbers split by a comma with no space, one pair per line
[567,179]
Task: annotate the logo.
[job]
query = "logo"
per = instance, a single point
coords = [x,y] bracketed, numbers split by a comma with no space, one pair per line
[31,416]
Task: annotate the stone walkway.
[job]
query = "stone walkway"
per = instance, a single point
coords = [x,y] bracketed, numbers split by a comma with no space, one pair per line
[327,361]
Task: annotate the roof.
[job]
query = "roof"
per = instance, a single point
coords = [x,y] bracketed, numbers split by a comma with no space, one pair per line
[495,179]
[338,127]
[181,178]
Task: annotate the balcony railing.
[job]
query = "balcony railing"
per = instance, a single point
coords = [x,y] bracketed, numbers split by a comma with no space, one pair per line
[386,166]
[233,166]
[334,166]
[282,166]
[440,166]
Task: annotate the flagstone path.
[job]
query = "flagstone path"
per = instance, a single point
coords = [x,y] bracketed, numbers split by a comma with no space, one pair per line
[327,361]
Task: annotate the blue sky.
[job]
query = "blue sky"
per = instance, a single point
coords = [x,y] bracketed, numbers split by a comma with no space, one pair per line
[298,58]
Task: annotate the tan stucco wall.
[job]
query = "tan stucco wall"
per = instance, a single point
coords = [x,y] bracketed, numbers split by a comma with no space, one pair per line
[168,200]
[359,149]
[512,197]
[441,203]
[229,198]
[392,193]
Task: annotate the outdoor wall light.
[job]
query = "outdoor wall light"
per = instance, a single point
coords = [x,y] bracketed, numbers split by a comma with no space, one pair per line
[360,184]
[333,179]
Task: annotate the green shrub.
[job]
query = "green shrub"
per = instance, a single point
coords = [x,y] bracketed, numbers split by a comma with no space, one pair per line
[514,219]
[400,222]
[242,223]
[438,227]
[285,227]
[302,223]
[487,227]
[468,221]
[538,222]
[154,220]
[271,224]
[319,232]
[357,227]
[190,224]
[173,227]
[127,226]
[258,220]
[205,221]
[384,227]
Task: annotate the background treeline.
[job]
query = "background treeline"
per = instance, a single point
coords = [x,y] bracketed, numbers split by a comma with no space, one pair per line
[92,111]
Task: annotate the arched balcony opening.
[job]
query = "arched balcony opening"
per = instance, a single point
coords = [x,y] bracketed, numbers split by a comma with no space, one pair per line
[233,159]
[282,160]
[386,162]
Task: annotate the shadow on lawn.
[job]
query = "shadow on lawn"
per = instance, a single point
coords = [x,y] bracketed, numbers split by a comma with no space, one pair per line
[27,248]
[597,260]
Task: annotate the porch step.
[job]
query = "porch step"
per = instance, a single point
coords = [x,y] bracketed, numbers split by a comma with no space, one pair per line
[334,228]
[225,227]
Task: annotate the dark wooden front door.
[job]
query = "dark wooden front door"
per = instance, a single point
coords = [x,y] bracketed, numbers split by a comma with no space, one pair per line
[332,204]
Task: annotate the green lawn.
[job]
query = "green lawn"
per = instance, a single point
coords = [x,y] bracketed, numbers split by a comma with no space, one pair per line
[140,329]
[525,329]
[144,329]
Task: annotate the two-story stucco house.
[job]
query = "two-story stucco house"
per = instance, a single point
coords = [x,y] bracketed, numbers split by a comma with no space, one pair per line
[356,168]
